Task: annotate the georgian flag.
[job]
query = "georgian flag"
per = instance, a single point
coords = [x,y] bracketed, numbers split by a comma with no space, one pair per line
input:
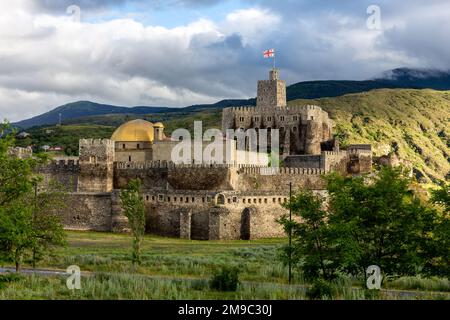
[269,53]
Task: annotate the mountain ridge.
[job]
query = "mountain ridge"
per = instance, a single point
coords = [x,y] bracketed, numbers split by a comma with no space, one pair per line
[397,78]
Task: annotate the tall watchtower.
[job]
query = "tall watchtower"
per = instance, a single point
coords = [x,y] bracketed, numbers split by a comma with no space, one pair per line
[272,92]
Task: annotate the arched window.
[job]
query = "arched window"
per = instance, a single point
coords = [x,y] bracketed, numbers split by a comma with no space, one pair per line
[220,199]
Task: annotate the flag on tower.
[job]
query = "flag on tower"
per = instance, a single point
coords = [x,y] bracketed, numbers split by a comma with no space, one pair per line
[270,53]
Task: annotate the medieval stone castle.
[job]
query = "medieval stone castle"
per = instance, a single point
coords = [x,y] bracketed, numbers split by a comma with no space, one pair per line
[229,200]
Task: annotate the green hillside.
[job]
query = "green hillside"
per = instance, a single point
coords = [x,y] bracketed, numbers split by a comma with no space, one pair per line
[64,136]
[415,123]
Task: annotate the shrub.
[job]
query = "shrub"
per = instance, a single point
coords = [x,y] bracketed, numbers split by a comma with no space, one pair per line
[227,279]
[9,277]
[320,289]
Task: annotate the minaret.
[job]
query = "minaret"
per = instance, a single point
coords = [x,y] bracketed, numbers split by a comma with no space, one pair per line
[272,92]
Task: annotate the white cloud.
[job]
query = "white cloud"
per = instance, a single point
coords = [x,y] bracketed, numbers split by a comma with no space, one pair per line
[252,24]
[47,59]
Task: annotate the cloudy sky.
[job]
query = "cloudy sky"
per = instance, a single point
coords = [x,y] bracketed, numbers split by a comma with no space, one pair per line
[182,52]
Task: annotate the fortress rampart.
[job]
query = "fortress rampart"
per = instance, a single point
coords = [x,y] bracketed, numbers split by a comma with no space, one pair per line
[206,201]
[64,172]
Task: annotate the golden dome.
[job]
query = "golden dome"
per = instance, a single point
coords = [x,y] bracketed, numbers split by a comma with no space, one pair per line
[158,125]
[135,130]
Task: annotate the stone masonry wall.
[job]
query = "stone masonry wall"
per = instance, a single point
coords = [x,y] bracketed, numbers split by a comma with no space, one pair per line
[62,172]
[87,211]
[264,180]
[303,161]
[214,216]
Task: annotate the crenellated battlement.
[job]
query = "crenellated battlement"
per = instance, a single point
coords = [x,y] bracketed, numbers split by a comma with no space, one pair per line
[65,163]
[96,142]
[304,107]
[282,171]
[253,109]
[61,166]
[242,109]
[169,164]
[335,153]
[313,107]
[359,151]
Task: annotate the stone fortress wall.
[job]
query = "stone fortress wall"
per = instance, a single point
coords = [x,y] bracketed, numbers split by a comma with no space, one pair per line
[210,200]
[63,172]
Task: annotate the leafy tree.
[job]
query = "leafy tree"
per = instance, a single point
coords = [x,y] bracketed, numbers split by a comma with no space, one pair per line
[26,225]
[48,230]
[379,221]
[313,247]
[369,220]
[16,229]
[438,248]
[134,210]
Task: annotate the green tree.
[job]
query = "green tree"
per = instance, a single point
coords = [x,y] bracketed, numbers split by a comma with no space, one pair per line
[134,210]
[379,221]
[16,229]
[313,249]
[438,248]
[369,220]
[26,226]
[48,230]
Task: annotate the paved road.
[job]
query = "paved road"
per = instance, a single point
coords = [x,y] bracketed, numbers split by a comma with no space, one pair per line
[402,293]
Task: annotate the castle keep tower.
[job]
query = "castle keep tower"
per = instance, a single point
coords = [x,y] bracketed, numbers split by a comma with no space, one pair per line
[272,92]
[303,130]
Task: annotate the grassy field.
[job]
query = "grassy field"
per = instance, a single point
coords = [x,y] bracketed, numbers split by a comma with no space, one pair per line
[107,252]
[181,269]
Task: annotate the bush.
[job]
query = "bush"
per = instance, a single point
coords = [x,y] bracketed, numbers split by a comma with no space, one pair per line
[227,279]
[320,289]
[9,277]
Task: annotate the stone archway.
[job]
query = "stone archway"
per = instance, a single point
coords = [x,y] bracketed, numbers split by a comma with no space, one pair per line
[220,199]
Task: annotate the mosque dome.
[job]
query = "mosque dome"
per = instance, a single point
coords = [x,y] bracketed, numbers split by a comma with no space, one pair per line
[135,130]
[158,125]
